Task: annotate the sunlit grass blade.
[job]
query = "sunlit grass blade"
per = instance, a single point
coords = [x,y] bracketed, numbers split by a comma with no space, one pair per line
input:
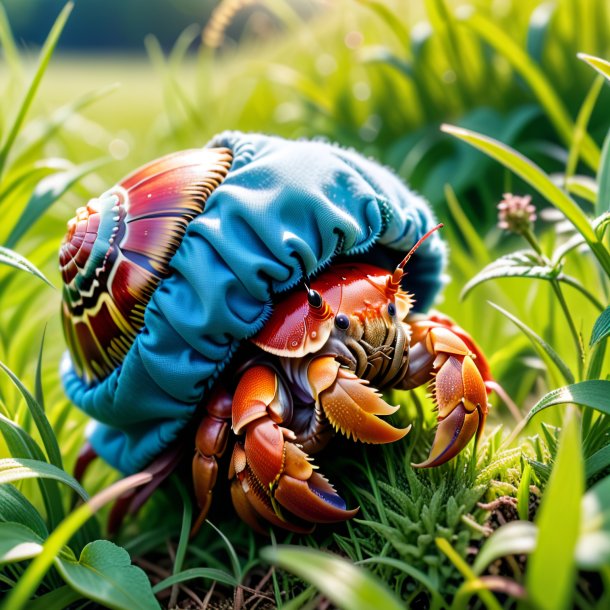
[601,65]
[551,568]
[541,346]
[343,583]
[582,186]
[42,423]
[593,393]
[25,588]
[12,469]
[538,179]
[391,18]
[498,39]
[14,259]
[7,42]
[45,57]
[580,128]
[46,193]
[486,596]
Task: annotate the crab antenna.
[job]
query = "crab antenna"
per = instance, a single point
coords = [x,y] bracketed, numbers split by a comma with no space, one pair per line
[399,271]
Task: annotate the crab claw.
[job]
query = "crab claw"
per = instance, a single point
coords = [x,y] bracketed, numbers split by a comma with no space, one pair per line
[273,478]
[460,393]
[350,404]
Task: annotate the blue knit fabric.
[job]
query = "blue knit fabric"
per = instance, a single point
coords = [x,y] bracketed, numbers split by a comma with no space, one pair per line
[282,202]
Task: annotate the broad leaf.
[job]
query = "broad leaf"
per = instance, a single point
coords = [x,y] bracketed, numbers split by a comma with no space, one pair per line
[104,573]
[345,585]
[514,538]
[523,263]
[551,569]
[13,259]
[594,393]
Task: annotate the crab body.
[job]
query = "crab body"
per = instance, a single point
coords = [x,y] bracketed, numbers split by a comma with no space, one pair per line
[322,359]
[203,292]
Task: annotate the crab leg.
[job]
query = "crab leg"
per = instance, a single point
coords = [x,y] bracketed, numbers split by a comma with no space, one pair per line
[272,477]
[210,444]
[445,355]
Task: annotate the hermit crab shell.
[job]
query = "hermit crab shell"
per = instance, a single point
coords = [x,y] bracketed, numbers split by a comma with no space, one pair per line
[167,273]
[117,250]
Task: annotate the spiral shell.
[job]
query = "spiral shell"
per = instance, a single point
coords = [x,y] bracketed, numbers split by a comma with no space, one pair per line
[117,249]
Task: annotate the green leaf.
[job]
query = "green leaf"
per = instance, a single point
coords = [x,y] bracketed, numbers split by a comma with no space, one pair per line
[514,538]
[104,573]
[523,263]
[344,584]
[18,543]
[43,62]
[12,469]
[14,506]
[593,548]
[541,346]
[601,328]
[47,192]
[551,569]
[56,543]
[13,259]
[594,393]
[601,65]
[42,423]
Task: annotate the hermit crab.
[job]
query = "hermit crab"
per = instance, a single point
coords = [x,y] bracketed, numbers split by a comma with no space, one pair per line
[246,299]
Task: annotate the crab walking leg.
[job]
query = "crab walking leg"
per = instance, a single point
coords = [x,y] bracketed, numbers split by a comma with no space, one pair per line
[210,444]
[272,477]
[445,355]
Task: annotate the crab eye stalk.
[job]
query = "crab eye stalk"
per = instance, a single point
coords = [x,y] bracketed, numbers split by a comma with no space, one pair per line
[314,298]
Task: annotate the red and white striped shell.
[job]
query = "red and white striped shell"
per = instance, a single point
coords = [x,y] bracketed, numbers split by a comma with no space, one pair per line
[117,250]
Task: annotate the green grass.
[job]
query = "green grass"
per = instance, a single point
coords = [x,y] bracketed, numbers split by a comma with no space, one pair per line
[507,81]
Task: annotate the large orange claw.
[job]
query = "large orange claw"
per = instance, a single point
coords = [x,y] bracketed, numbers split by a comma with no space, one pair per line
[350,404]
[273,478]
[459,391]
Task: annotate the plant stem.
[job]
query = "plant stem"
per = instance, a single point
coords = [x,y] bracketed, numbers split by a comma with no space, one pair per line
[531,239]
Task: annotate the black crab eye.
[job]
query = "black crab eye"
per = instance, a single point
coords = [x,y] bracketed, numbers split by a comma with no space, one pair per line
[392,309]
[314,298]
[342,321]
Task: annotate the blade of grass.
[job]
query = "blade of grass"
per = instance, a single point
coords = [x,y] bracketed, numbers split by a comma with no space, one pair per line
[187,514]
[580,128]
[601,65]
[212,574]
[344,584]
[500,40]
[15,260]
[45,57]
[40,419]
[551,569]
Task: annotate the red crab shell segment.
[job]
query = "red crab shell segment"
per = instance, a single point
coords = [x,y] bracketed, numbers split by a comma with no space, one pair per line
[117,249]
[296,329]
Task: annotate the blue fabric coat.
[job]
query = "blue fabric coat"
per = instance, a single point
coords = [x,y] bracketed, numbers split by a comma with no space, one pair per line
[282,202]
